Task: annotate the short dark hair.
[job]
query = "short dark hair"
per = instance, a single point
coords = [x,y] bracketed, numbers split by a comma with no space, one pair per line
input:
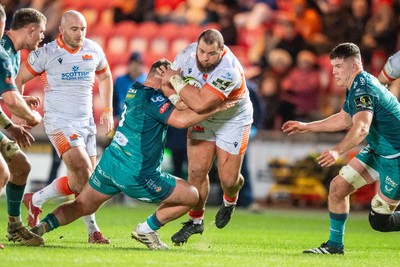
[25,16]
[345,50]
[211,36]
[161,62]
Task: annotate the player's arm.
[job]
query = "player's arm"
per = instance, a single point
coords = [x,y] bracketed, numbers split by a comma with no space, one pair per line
[361,123]
[188,117]
[24,76]
[200,100]
[17,106]
[337,122]
[106,93]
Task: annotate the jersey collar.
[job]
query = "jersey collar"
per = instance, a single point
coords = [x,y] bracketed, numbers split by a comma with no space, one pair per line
[62,44]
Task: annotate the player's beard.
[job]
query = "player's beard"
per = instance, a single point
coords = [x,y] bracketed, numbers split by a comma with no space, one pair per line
[207,69]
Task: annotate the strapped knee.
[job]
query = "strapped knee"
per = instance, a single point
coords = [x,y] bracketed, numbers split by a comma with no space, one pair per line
[380,214]
[9,149]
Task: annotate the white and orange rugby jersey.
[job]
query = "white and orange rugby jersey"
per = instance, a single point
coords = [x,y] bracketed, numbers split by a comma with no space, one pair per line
[226,80]
[68,77]
[391,70]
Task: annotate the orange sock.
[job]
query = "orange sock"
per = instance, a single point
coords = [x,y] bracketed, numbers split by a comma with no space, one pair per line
[62,185]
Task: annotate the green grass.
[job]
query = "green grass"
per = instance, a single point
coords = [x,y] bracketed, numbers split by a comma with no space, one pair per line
[275,237]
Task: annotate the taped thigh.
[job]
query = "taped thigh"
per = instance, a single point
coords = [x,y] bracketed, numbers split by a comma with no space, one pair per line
[9,150]
[352,176]
[381,206]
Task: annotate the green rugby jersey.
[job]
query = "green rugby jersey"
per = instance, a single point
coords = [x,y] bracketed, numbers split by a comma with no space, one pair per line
[139,140]
[366,93]
[9,64]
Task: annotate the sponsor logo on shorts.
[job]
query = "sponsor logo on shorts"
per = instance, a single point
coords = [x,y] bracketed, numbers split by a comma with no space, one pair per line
[390,182]
[198,129]
[73,136]
[164,107]
[96,181]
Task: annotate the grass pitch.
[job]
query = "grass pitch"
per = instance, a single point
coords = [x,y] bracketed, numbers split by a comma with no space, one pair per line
[275,237]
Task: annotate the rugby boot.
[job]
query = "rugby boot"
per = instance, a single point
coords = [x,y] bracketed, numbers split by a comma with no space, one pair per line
[16,232]
[224,215]
[325,249]
[189,228]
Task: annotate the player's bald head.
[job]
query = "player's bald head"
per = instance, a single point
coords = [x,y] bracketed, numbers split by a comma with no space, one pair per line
[72,16]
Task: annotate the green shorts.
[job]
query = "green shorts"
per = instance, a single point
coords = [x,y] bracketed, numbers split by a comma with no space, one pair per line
[388,169]
[109,179]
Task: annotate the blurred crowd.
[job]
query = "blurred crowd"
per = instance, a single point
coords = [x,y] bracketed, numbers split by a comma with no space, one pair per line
[283,44]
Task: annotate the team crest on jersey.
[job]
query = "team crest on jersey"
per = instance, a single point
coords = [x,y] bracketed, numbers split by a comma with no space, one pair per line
[87,57]
[363,102]
[164,107]
[221,84]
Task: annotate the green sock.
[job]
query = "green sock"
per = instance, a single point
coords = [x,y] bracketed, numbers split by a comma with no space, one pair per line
[51,221]
[14,194]
[153,222]
[338,221]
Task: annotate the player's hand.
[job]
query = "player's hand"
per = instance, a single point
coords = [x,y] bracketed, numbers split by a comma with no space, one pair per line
[32,101]
[292,127]
[165,74]
[22,137]
[328,158]
[108,119]
[37,118]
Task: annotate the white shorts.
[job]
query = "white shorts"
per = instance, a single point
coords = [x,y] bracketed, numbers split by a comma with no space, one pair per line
[232,137]
[64,134]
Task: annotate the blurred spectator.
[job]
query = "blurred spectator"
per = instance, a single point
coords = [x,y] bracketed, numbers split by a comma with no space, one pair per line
[307,20]
[52,9]
[380,31]
[135,10]
[10,6]
[224,11]
[280,62]
[255,13]
[357,17]
[192,12]
[300,89]
[122,83]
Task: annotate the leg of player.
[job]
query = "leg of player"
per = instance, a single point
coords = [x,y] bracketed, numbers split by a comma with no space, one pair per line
[19,168]
[200,159]
[229,166]
[178,203]
[350,178]
[87,202]
[382,215]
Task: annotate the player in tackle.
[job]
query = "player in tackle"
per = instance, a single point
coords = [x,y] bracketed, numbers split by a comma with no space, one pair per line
[132,164]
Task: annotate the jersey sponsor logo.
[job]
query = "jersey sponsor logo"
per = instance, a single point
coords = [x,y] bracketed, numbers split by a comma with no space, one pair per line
[60,60]
[157,98]
[87,57]
[363,102]
[390,182]
[73,136]
[221,84]
[120,138]
[235,144]
[75,74]
[164,107]
[131,93]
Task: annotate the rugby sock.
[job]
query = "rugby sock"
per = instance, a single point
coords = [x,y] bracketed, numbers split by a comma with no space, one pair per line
[51,221]
[338,221]
[59,187]
[90,223]
[151,224]
[14,198]
[196,216]
[229,201]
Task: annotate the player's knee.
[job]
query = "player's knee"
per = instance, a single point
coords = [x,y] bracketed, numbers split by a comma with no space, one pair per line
[380,214]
